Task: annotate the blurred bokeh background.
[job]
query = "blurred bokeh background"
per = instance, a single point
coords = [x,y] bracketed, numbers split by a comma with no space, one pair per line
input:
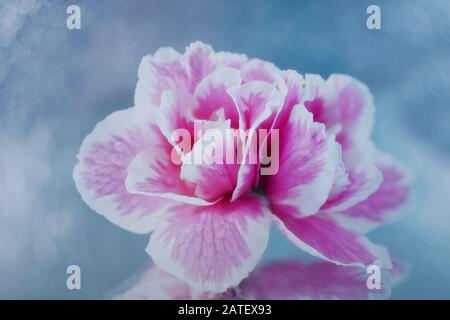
[56,84]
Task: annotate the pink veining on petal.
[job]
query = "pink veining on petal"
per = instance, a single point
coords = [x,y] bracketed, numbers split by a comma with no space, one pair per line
[212,247]
[103,161]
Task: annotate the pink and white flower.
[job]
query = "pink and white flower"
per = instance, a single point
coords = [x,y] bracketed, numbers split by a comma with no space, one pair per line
[210,222]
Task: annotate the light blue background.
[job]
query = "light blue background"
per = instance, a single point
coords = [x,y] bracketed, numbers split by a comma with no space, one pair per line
[56,84]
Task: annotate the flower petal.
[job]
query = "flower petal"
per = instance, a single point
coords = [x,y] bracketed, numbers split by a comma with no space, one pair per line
[212,95]
[308,161]
[259,70]
[258,103]
[344,101]
[213,177]
[296,92]
[164,70]
[362,182]
[153,173]
[321,236]
[198,60]
[102,167]
[383,205]
[175,113]
[345,106]
[247,174]
[230,59]
[214,247]
[293,93]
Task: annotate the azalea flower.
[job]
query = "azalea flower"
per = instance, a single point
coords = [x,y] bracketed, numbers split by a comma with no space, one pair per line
[209,221]
[285,279]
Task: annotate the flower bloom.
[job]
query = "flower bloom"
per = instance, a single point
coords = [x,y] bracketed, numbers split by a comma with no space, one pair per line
[210,221]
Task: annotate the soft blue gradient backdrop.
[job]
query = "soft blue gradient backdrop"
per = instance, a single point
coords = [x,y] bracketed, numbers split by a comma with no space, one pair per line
[56,84]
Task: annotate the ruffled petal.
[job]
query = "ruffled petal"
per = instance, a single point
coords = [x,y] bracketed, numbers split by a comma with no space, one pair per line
[198,60]
[154,173]
[175,119]
[259,70]
[308,161]
[167,69]
[212,96]
[258,103]
[363,180]
[342,101]
[230,59]
[212,173]
[162,71]
[345,106]
[382,206]
[102,168]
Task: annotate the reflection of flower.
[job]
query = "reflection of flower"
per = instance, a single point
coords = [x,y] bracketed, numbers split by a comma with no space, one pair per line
[209,226]
[284,279]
